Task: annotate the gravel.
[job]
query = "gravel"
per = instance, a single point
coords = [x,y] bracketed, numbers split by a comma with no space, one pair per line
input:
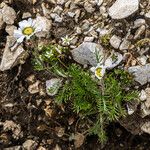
[123,8]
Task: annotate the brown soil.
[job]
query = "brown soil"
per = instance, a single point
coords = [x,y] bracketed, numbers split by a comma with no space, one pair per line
[28,111]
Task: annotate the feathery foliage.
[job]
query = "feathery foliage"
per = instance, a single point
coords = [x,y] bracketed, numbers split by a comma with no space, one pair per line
[104,101]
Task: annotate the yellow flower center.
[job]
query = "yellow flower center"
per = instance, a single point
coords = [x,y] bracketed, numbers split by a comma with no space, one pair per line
[28,31]
[98,72]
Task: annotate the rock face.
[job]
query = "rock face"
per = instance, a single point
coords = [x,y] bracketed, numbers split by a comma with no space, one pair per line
[99,2]
[9,15]
[1,21]
[34,88]
[29,144]
[146,127]
[86,53]
[124,45]
[115,41]
[141,73]
[111,63]
[145,106]
[10,29]
[147,15]
[123,8]
[11,58]
[46,25]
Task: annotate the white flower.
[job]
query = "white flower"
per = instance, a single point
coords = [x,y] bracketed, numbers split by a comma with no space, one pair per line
[99,71]
[113,60]
[66,40]
[26,29]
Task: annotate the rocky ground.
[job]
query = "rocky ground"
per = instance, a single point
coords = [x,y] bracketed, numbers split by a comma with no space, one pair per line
[29,117]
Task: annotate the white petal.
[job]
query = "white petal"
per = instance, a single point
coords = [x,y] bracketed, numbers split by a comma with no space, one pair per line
[23,24]
[62,38]
[20,40]
[17,34]
[29,36]
[108,62]
[30,21]
[33,22]
[99,65]
[93,69]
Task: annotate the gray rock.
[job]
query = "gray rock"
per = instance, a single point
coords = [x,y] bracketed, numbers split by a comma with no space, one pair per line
[86,53]
[142,59]
[52,86]
[12,58]
[130,110]
[98,2]
[139,22]
[115,41]
[147,15]
[1,21]
[56,17]
[46,26]
[57,147]
[46,11]
[123,8]
[15,128]
[60,2]
[85,26]
[146,127]
[29,145]
[145,106]
[141,73]
[10,29]
[102,10]
[13,148]
[77,15]
[143,95]
[71,14]
[26,15]
[34,88]
[124,45]
[88,39]
[88,7]
[9,15]
[58,10]
[139,31]
[111,63]
[102,31]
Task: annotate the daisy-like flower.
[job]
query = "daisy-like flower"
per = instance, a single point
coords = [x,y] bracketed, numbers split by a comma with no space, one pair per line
[26,29]
[113,60]
[66,40]
[99,71]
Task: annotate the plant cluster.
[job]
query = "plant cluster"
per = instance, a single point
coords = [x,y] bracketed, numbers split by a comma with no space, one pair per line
[102,99]
[105,39]
[49,57]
